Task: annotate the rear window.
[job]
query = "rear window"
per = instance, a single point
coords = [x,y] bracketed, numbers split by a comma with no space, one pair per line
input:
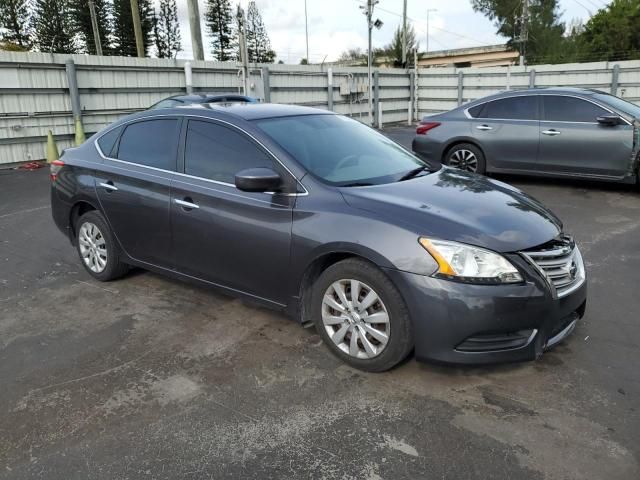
[151,143]
[513,108]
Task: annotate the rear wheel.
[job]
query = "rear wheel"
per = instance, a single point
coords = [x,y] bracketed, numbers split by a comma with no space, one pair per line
[466,156]
[97,248]
[361,316]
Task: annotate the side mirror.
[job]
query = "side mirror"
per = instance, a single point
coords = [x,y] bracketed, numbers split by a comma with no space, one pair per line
[258,180]
[609,120]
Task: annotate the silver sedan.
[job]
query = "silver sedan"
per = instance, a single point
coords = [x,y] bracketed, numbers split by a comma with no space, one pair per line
[561,132]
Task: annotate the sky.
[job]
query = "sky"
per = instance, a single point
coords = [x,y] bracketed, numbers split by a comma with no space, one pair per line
[337,25]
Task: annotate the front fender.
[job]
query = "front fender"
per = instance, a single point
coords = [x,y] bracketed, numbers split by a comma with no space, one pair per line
[318,232]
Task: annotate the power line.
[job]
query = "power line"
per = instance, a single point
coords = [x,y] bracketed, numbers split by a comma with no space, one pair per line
[482,42]
[583,6]
[598,7]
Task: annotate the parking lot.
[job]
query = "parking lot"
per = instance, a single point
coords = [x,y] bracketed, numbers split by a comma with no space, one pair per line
[148,377]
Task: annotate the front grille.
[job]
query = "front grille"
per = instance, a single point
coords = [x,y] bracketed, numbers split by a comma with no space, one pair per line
[560,262]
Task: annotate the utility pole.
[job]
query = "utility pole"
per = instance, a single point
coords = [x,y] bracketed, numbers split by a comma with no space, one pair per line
[429,10]
[196,31]
[524,31]
[404,34]
[94,27]
[137,27]
[244,54]
[306,29]
[368,11]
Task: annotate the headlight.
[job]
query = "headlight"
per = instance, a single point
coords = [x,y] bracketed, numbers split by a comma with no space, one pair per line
[465,263]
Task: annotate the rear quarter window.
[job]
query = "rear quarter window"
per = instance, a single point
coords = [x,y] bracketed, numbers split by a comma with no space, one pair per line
[107,141]
[476,111]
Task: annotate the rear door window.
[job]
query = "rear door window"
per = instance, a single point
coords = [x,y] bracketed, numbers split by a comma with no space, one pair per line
[216,152]
[559,108]
[512,108]
[152,143]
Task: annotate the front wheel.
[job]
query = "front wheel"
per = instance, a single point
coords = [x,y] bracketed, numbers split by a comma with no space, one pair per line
[466,156]
[361,316]
[97,248]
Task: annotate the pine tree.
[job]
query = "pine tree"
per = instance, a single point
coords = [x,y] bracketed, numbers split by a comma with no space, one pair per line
[221,25]
[166,30]
[123,35]
[14,19]
[52,26]
[82,23]
[258,43]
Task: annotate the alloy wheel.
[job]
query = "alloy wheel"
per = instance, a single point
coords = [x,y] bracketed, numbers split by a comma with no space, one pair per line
[464,160]
[355,318]
[93,248]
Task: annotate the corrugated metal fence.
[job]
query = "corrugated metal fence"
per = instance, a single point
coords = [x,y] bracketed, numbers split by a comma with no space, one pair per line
[34,90]
[442,89]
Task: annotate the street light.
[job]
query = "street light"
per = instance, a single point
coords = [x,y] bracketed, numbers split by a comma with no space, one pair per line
[429,10]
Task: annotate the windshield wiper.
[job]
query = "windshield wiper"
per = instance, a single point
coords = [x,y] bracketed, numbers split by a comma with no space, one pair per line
[413,173]
[357,184]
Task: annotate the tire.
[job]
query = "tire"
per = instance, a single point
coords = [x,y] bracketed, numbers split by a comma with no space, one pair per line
[397,329]
[469,156]
[98,251]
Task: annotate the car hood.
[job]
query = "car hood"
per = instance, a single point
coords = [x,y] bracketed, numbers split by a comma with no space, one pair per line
[454,205]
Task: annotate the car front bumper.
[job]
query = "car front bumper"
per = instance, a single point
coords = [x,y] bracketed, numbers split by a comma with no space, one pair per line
[478,324]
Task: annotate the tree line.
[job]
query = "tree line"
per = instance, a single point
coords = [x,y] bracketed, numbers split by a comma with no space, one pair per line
[64,26]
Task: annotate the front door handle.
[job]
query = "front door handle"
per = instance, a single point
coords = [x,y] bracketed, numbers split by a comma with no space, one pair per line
[186,204]
[552,132]
[484,127]
[109,186]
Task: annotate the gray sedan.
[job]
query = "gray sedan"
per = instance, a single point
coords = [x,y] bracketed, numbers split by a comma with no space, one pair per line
[562,132]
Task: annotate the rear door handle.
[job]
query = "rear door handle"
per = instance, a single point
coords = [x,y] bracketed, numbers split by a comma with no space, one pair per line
[551,133]
[186,204]
[109,186]
[484,127]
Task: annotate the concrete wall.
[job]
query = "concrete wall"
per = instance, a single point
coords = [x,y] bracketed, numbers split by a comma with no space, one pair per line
[34,90]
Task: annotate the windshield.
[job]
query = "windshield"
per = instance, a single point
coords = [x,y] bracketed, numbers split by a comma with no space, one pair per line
[619,104]
[341,151]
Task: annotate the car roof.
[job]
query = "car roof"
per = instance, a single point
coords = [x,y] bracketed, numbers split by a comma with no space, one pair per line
[252,111]
[230,111]
[204,97]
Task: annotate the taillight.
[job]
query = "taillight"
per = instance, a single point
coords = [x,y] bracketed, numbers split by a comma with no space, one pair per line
[424,127]
[56,166]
